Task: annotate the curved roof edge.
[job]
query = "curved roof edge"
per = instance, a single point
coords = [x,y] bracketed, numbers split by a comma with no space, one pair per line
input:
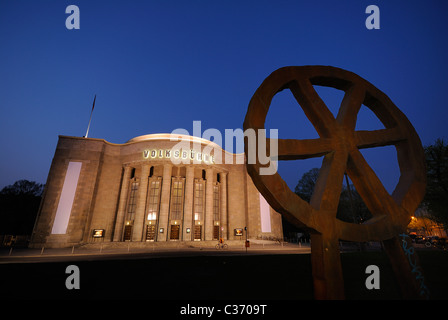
[170,137]
[158,136]
[177,138]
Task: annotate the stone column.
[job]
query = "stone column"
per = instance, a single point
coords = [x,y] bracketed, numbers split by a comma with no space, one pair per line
[188,204]
[224,227]
[137,230]
[122,204]
[165,202]
[209,205]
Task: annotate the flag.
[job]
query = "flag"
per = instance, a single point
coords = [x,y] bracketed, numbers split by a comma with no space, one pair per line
[91,112]
[93,105]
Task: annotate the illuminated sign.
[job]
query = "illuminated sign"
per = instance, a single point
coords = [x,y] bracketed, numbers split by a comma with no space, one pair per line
[178,154]
[98,233]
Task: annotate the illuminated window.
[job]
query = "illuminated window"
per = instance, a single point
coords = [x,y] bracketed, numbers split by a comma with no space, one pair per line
[132,200]
[216,202]
[153,199]
[177,199]
[198,200]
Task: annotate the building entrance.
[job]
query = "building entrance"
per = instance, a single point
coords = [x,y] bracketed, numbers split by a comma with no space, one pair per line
[127,233]
[150,232]
[215,232]
[197,233]
[174,233]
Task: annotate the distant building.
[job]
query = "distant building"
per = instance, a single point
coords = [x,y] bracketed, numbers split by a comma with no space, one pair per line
[143,191]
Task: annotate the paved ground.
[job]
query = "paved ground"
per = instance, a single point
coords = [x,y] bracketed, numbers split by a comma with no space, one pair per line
[98,252]
[158,250]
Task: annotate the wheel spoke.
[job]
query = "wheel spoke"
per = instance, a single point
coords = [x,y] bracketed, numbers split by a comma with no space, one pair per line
[378,138]
[313,106]
[375,196]
[293,149]
[350,105]
[328,186]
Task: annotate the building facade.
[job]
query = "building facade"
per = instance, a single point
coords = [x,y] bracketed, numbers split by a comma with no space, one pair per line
[149,190]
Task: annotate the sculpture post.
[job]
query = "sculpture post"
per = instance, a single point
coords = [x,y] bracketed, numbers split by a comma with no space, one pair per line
[339,143]
[327,269]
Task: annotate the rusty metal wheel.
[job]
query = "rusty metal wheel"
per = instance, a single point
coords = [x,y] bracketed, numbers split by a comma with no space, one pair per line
[339,143]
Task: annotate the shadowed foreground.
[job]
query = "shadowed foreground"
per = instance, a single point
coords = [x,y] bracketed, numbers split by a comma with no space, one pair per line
[258,277]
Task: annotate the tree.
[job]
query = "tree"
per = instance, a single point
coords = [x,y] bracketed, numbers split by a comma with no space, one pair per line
[305,186]
[350,209]
[23,187]
[19,204]
[436,197]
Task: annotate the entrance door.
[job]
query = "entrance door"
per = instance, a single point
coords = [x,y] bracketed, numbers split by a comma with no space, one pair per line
[127,233]
[197,232]
[150,232]
[215,232]
[174,234]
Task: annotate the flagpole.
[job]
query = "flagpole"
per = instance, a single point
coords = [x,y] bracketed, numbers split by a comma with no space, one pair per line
[91,112]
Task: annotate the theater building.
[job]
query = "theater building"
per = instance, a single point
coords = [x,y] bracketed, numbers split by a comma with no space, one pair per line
[146,190]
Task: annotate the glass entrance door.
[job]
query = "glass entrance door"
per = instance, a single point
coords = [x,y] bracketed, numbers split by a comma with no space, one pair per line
[215,232]
[150,232]
[174,233]
[127,233]
[197,233]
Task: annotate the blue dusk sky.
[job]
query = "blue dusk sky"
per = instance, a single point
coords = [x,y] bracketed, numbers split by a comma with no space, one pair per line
[157,66]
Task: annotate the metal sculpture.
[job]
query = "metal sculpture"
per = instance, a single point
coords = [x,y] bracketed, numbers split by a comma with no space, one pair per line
[339,144]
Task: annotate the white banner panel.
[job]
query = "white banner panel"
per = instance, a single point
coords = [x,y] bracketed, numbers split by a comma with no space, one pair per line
[67,197]
[265,215]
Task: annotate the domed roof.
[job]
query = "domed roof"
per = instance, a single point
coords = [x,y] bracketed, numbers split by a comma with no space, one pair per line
[170,137]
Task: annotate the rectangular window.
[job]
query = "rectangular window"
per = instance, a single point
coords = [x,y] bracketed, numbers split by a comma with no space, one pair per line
[67,197]
[132,200]
[216,203]
[265,215]
[198,200]
[177,199]
[153,200]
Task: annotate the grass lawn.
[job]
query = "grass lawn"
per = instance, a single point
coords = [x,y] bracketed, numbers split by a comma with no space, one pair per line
[265,277]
